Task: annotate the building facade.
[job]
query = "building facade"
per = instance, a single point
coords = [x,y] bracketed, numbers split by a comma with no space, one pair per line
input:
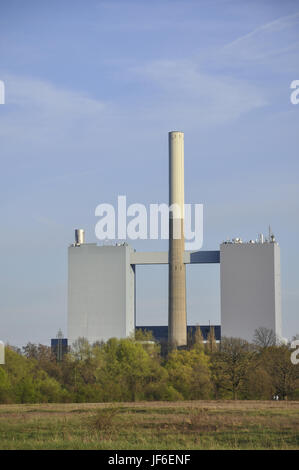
[101,292]
[250,288]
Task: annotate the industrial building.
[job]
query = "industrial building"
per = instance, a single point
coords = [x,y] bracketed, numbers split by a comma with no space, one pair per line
[160,333]
[101,279]
[102,295]
[101,292]
[250,287]
[101,287]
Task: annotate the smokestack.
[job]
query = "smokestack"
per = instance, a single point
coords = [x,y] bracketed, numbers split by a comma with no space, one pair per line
[79,236]
[177,319]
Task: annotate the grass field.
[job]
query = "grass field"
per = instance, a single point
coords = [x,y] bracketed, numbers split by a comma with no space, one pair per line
[151,425]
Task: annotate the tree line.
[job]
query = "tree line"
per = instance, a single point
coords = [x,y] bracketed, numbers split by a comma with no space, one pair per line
[137,369]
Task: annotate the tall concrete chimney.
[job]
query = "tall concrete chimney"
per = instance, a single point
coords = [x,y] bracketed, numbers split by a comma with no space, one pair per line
[177,319]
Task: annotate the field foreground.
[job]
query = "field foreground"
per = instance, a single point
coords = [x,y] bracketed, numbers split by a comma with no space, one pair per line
[151,425]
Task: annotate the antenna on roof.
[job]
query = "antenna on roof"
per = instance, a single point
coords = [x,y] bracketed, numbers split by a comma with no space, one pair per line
[271,236]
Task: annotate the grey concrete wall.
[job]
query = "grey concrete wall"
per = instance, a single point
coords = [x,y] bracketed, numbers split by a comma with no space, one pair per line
[250,289]
[101,292]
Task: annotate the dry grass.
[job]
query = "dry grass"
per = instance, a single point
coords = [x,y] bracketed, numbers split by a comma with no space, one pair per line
[151,425]
[104,419]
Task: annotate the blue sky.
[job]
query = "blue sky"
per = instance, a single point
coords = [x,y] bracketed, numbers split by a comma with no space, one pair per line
[92,89]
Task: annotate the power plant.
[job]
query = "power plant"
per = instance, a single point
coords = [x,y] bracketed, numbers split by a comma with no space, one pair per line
[102,288]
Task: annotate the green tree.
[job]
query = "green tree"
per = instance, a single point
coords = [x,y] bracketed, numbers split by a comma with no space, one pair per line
[143,335]
[284,375]
[29,383]
[189,373]
[257,385]
[231,364]
[5,387]
[195,338]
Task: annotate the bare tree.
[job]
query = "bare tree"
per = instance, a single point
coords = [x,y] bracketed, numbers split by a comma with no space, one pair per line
[30,351]
[81,349]
[264,338]
[231,364]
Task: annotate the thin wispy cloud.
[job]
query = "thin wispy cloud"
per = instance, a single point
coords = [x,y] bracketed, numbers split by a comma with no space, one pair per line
[206,98]
[50,119]
[42,100]
[273,26]
[273,44]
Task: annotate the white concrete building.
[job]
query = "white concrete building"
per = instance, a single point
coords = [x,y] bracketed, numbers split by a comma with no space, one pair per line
[101,292]
[250,288]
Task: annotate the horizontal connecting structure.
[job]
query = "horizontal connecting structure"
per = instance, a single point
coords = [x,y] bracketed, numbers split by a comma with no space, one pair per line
[162,257]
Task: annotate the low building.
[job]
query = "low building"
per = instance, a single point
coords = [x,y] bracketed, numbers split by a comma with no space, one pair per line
[160,333]
[59,346]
